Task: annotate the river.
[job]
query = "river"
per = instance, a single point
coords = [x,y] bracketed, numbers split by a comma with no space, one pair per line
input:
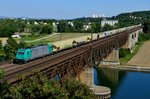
[124,84]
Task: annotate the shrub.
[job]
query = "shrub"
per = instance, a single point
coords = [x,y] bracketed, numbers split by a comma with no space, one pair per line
[40,87]
[123,52]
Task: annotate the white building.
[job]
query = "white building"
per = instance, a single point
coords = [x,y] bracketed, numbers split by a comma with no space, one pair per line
[110,22]
[45,23]
[87,26]
[98,15]
[71,23]
[36,23]
[16,35]
[55,26]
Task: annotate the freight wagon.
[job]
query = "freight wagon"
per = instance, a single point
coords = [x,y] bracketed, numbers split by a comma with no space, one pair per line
[27,54]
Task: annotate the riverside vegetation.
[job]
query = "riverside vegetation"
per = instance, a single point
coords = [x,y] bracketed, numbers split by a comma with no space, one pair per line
[125,54]
[40,87]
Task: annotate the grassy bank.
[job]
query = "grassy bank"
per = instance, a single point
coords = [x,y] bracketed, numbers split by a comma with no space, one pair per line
[127,57]
[143,37]
[53,38]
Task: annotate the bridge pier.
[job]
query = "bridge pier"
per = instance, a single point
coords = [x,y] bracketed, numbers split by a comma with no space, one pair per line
[132,40]
[100,92]
[112,58]
[87,77]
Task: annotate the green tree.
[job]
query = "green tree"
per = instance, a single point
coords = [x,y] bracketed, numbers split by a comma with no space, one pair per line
[77,90]
[20,24]
[22,44]
[96,27]
[37,87]
[4,86]
[78,25]
[62,26]
[1,47]
[107,27]
[40,87]
[123,52]
[35,28]
[10,48]
[146,28]
[46,29]
[7,27]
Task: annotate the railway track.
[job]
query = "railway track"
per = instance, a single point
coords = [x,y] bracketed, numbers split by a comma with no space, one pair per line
[11,74]
[50,63]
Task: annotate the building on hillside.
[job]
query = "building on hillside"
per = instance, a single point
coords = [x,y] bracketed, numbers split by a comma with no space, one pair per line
[87,26]
[70,23]
[109,22]
[55,24]
[28,23]
[45,23]
[36,23]
[98,15]
[16,35]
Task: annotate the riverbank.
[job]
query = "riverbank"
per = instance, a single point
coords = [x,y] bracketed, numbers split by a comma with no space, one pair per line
[128,68]
[139,60]
[128,57]
[142,58]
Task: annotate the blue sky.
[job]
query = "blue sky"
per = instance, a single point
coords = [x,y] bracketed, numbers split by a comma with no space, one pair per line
[66,9]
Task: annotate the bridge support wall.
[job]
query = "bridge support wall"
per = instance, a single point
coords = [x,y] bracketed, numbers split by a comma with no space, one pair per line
[87,77]
[100,92]
[112,58]
[132,40]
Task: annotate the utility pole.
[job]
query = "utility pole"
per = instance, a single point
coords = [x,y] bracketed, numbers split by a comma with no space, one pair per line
[91,35]
[60,36]
[90,71]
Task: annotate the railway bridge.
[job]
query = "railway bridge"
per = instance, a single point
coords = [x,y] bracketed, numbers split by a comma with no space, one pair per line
[72,61]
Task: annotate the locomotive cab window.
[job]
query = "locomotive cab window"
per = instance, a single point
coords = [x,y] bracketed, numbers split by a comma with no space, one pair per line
[21,53]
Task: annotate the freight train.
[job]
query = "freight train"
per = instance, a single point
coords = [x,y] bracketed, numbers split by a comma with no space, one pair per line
[24,55]
[28,54]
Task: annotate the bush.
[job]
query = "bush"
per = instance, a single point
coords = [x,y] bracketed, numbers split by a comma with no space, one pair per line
[123,52]
[144,37]
[40,87]
[4,87]
[77,90]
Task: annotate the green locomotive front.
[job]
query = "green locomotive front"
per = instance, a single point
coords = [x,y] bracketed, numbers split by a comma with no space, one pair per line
[27,54]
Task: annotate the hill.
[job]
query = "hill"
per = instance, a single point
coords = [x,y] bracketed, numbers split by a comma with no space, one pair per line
[143,15]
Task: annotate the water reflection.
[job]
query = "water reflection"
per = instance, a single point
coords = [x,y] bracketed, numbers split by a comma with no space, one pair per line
[109,77]
[124,84]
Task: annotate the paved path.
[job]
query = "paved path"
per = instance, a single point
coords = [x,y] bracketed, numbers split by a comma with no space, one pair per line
[4,40]
[68,42]
[142,58]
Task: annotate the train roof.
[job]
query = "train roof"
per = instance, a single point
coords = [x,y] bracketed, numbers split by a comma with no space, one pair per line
[22,49]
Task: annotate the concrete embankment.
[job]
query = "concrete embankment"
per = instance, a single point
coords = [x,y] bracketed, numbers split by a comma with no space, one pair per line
[129,68]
